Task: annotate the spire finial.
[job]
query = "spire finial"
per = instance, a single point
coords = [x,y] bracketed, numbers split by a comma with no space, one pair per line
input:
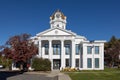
[58,10]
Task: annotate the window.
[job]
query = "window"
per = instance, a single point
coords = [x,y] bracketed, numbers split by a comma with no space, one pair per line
[96,62]
[67,49]
[46,49]
[63,27]
[57,25]
[89,49]
[89,63]
[56,49]
[96,49]
[77,62]
[77,49]
[67,64]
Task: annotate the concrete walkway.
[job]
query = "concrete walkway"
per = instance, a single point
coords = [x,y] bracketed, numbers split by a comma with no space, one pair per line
[55,73]
[62,76]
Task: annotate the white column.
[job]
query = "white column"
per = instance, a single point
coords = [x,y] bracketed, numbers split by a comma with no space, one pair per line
[50,53]
[62,55]
[40,52]
[102,57]
[73,54]
[84,57]
[93,57]
[50,49]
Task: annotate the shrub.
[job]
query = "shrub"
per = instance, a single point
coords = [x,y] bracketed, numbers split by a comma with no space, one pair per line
[5,62]
[70,69]
[40,64]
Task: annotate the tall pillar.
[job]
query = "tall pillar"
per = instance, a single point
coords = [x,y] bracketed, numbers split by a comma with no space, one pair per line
[102,57]
[40,51]
[73,54]
[62,55]
[93,59]
[50,53]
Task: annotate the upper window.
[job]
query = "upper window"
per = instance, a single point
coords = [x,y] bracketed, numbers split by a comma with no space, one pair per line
[56,49]
[77,49]
[96,49]
[67,49]
[89,49]
[46,49]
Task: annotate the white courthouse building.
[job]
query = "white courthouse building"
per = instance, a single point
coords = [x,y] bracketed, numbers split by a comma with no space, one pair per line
[65,48]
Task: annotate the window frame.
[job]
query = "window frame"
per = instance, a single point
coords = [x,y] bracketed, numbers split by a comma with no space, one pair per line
[46,49]
[97,49]
[89,63]
[98,63]
[77,64]
[67,49]
[89,49]
[77,49]
[67,62]
[56,49]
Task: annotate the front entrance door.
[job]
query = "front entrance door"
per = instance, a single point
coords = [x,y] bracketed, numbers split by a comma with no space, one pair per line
[56,63]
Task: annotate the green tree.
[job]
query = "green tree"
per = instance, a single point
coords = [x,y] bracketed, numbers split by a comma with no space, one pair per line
[5,62]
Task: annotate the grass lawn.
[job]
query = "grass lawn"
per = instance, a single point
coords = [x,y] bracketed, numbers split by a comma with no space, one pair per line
[107,74]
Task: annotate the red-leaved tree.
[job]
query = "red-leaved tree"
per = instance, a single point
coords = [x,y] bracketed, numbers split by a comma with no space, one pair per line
[20,49]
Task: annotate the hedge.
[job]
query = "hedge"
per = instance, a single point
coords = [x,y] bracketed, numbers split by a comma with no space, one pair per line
[40,64]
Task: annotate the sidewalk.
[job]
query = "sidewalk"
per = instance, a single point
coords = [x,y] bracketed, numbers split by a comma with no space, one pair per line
[54,73]
[62,76]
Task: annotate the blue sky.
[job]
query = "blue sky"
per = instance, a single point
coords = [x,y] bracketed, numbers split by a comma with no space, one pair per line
[94,19]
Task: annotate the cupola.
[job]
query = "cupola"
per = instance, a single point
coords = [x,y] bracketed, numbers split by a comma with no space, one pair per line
[58,19]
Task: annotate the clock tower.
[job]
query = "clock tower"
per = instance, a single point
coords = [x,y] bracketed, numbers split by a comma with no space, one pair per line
[58,20]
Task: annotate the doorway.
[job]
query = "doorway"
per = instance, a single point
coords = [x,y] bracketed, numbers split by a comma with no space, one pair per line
[56,63]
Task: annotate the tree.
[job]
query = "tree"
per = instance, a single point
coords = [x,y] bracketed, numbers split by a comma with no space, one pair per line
[5,62]
[20,49]
[112,52]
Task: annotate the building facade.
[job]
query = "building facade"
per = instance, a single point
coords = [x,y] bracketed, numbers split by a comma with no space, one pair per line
[65,48]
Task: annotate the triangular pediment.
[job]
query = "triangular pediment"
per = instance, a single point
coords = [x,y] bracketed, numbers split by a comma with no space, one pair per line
[56,31]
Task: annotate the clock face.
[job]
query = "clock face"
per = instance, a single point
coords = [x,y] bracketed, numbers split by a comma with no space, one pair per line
[57,15]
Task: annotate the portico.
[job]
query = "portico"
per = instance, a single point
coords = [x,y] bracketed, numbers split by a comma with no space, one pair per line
[58,50]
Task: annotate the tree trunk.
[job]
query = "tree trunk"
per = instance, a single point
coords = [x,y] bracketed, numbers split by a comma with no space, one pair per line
[112,64]
[21,66]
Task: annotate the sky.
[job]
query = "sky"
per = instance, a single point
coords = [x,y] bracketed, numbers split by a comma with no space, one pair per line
[94,19]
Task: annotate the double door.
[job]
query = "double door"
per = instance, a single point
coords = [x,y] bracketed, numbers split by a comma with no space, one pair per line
[56,63]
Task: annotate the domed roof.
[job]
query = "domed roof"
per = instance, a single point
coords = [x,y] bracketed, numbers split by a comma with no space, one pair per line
[56,12]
